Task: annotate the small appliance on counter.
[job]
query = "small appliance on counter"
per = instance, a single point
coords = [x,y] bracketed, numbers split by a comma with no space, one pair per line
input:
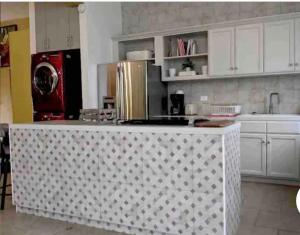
[191,109]
[177,103]
[56,85]
[109,102]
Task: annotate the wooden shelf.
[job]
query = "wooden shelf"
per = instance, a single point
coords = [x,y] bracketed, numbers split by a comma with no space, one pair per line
[185,78]
[185,56]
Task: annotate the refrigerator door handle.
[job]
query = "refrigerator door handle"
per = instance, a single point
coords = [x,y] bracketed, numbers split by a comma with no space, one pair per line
[120,92]
[118,96]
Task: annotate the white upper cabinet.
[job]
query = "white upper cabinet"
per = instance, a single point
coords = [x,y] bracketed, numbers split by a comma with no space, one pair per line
[73,23]
[236,50]
[297,44]
[283,156]
[253,154]
[51,26]
[41,35]
[279,46]
[62,26]
[221,51]
[57,26]
[249,49]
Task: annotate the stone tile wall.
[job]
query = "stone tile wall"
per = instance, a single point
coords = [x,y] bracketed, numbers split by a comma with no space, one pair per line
[252,92]
[145,17]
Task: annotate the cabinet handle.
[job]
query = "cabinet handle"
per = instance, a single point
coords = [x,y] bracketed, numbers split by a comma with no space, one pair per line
[68,41]
[268,142]
[48,43]
[236,68]
[296,64]
[290,64]
[231,68]
[263,142]
[71,41]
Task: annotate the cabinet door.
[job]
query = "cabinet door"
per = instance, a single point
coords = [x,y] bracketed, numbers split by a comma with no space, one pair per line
[40,24]
[74,35]
[249,49]
[283,156]
[62,26]
[279,46]
[221,51]
[51,26]
[253,154]
[297,44]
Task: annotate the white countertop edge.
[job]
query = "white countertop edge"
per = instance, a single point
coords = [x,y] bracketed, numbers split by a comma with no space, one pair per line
[269,118]
[246,117]
[73,125]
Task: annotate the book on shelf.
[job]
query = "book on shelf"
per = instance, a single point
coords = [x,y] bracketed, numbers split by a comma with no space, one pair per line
[180,47]
[191,47]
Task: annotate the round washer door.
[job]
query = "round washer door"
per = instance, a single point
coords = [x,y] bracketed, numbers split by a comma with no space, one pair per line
[45,78]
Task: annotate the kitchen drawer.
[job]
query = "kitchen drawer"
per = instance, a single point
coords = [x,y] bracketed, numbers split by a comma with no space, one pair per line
[283,127]
[253,127]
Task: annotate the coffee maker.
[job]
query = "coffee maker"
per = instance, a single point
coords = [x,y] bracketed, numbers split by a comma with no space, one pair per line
[177,100]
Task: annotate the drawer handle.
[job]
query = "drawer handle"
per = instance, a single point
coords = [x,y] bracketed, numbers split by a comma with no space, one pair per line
[268,142]
[263,142]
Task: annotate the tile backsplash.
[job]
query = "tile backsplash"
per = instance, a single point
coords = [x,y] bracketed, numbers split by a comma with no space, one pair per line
[251,92]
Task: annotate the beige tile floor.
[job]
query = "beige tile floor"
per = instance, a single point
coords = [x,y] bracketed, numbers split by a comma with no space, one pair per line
[266,210]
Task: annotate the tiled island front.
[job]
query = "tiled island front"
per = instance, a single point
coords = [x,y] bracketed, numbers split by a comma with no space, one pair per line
[132,179]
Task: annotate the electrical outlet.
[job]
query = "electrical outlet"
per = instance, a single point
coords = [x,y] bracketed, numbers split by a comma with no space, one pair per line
[203,98]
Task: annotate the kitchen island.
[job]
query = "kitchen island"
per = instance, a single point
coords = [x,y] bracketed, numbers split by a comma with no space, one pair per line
[132,179]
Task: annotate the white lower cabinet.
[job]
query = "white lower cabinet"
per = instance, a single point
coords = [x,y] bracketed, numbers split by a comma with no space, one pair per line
[283,156]
[270,155]
[253,154]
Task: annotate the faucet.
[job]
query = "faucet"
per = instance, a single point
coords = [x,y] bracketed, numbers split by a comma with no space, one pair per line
[271,104]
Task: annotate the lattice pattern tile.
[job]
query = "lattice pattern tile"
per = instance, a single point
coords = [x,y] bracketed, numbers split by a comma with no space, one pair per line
[142,183]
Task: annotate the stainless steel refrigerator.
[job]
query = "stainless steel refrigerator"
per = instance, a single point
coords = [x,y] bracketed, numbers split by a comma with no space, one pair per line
[136,88]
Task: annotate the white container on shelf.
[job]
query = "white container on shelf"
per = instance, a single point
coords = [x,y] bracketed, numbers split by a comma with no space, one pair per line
[139,55]
[187,73]
[172,72]
[204,69]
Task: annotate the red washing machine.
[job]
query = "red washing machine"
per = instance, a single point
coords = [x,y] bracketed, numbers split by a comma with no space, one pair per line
[56,85]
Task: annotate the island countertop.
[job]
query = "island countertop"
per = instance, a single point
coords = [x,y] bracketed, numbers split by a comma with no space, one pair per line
[83,125]
[134,179]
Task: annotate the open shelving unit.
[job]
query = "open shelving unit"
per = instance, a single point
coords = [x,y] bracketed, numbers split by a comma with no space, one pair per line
[167,58]
[174,59]
[135,45]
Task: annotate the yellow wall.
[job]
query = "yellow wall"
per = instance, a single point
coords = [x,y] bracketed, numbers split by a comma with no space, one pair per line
[15,87]
[22,23]
[20,76]
[5,96]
